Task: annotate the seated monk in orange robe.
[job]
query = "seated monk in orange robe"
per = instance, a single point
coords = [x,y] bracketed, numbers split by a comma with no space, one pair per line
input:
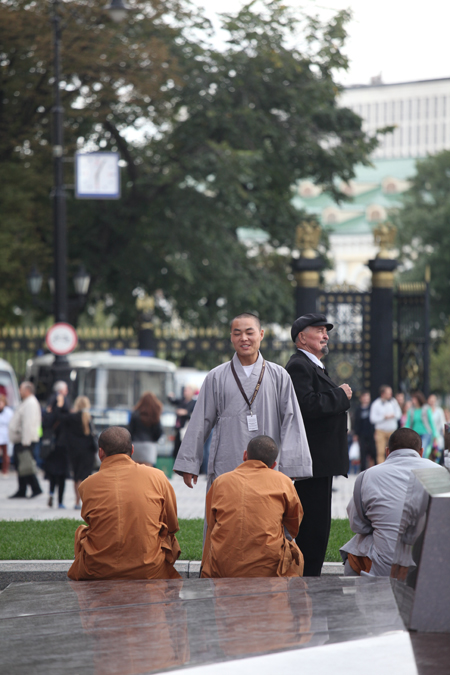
[131,515]
[252,513]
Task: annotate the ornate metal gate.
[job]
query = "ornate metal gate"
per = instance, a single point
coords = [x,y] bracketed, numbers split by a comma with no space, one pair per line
[349,357]
[411,337]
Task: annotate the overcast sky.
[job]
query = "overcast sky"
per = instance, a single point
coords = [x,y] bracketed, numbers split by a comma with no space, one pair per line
[404,41]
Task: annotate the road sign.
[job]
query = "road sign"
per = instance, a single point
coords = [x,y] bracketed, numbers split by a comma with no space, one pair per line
[97,175]
[61,338]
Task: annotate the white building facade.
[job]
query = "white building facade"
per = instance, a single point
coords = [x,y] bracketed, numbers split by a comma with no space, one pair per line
[419,111]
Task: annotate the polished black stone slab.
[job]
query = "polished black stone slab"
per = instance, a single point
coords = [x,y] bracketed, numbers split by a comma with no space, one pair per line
[134,627]
[421,566]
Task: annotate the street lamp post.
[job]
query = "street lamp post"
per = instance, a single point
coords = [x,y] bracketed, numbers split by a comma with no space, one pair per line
[61,364]
[118,11]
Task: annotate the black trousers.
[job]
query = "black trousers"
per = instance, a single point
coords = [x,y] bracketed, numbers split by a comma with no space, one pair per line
[59,481]
[312,539]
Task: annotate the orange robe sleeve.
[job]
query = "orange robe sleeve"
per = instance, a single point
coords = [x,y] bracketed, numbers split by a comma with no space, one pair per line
[210,522]
[170,526]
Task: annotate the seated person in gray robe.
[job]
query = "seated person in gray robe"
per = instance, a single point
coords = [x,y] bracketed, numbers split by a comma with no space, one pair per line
[375,510]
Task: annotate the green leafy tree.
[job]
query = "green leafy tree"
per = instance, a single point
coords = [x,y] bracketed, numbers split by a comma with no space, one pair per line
[424,231]
[224,135]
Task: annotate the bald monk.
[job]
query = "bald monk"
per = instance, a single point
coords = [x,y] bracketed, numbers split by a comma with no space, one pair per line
[131,515]
[253,513]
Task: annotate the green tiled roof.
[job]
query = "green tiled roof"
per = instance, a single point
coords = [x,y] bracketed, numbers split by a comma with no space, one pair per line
[402,169]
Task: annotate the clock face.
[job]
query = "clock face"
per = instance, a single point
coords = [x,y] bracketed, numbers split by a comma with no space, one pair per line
[61,338]
[97,175]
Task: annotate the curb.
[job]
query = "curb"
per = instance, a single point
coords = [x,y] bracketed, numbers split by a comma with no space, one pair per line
[22,571]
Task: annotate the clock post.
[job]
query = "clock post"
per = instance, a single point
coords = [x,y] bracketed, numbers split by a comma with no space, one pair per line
[60,368]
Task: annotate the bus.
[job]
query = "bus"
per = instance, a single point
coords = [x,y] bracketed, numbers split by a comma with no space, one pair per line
[113,382]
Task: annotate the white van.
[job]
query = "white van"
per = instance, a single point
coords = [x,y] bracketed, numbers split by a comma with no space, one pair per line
[8,384]
[113,383]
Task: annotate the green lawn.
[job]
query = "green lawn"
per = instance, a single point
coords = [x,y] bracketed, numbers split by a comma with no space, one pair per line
[53,539]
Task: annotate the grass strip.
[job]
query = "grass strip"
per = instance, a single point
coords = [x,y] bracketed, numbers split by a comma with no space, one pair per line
[53,539]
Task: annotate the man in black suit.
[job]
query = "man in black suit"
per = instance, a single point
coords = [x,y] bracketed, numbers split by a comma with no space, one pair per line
[323,405]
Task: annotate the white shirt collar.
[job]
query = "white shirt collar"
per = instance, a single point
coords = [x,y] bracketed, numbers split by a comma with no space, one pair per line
[313,358]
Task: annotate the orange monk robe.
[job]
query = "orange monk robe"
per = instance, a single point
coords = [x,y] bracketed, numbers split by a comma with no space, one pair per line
[247,510]
[131,516]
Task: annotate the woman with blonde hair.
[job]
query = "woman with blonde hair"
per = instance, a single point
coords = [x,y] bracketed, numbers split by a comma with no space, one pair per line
[145,428]
[81,440]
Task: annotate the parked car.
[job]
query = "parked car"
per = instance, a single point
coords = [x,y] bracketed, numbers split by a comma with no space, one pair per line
[8,384]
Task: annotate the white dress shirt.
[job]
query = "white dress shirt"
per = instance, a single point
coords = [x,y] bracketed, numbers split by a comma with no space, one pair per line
[378,411]
[313,358]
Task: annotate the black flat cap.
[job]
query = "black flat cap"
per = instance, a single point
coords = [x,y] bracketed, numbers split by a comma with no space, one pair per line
[309,320]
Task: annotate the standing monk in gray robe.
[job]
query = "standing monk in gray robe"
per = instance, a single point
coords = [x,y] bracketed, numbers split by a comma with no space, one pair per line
[266,405]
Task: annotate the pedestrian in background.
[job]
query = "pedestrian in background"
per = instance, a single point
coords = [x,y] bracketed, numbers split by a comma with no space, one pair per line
[24,429]
[364,432]
[6,414]
[185,407]
[80,438]
[385,414]
[145,428]
[438,416]
[56,464]
[420,419]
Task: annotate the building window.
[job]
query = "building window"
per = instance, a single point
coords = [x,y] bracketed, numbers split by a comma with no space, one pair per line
[436,106]
[410,109]
[444,106]
[401,111]
[418,135]
[409,136]
[418,108]
[435,134]
[400,137]
[427,106]
[426,134]
[376,113]
[443,133]
[385,114]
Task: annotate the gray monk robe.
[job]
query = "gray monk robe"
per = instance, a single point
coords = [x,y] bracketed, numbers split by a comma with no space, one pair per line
[221,406]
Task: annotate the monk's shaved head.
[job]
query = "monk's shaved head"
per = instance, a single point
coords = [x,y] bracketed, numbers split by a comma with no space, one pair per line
[115,441]
[247,315]
[264,449]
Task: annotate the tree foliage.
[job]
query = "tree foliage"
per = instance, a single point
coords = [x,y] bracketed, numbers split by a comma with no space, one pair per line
[424,231]
[219,139]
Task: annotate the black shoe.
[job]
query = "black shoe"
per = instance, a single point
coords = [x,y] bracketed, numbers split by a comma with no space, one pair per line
[50,500]
[36,494]
[18,495]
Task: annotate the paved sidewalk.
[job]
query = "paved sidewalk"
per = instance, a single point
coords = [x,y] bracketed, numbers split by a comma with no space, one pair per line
[191,502]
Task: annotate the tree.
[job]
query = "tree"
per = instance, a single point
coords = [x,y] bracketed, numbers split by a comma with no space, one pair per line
[113,78]
[424,231]
[230,132]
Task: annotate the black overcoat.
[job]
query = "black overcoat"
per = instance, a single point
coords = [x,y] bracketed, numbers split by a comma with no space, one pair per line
[323,405]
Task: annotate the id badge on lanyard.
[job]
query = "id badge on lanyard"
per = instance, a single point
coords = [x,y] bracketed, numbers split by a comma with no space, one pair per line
[252,420]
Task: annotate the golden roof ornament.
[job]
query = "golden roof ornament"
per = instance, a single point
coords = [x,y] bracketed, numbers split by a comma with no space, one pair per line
[307,238]
[145,303]
[384,236]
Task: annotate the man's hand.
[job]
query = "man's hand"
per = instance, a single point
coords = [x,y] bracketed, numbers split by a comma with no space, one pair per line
[188,478]
[389,417]
[347,390]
